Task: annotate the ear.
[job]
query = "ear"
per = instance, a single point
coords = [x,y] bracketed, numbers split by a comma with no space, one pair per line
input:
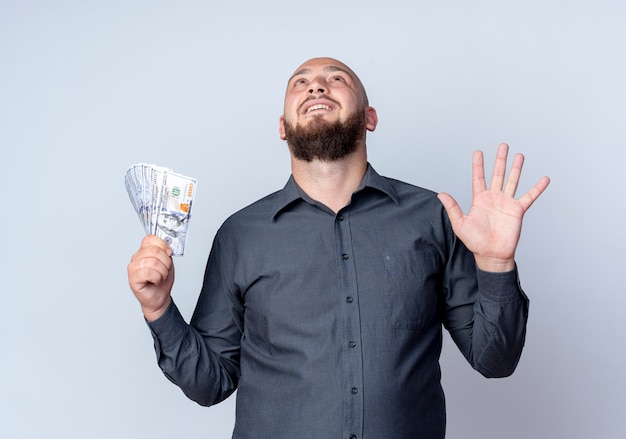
[281,127]
[371,118]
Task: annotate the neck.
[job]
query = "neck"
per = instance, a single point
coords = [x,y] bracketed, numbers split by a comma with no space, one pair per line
[331,183]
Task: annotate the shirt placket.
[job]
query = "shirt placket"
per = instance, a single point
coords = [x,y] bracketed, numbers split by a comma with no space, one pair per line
[353,392]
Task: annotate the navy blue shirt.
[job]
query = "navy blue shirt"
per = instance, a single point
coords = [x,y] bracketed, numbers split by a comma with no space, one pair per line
[330,325]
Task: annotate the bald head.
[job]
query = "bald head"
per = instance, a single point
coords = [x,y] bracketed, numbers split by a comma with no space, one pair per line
[331,64]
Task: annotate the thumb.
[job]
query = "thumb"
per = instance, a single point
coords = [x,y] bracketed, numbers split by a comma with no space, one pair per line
[451,206]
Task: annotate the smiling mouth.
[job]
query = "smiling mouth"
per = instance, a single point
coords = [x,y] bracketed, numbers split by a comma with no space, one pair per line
[323,104]
[318,107]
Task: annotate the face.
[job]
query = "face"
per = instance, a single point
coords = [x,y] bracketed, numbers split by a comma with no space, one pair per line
[322,96]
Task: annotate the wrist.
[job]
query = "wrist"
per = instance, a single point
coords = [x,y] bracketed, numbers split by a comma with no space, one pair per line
[494,265]
[153,313]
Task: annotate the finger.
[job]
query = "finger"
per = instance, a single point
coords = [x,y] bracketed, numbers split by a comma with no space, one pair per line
[499,168]
[146,277]
[154,252]
[451,206]
[151,264]
[147,271]
[514,175]
[155,271]
[153,240]
[529,198]
[478,173]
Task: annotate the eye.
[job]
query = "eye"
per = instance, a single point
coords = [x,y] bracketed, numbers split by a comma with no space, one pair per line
[338,78]
[300,81]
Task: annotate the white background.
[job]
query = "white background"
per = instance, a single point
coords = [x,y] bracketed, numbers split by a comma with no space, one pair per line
[89,88]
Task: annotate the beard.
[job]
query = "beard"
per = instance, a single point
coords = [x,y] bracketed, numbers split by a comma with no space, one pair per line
[324,140]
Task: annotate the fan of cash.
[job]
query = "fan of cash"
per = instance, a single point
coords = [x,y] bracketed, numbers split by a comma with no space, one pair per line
[163,200]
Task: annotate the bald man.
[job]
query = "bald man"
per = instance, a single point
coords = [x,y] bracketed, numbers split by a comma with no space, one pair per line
[323,303]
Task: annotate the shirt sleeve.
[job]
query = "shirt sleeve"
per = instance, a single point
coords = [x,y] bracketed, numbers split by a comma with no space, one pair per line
[485,313]
[202,358]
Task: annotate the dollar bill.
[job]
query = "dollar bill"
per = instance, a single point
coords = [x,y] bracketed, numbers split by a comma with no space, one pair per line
[163,200]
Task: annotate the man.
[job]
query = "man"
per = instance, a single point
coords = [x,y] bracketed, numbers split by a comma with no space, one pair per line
[323,303]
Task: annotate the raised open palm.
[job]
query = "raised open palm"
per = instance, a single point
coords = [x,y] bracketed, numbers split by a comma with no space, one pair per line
[492,228]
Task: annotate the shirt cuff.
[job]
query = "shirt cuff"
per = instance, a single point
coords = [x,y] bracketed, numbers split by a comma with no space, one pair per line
[168,329]
[500,287]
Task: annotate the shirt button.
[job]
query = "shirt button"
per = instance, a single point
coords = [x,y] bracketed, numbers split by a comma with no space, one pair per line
[349,299]
[354,390]
[345,256]
[340,218]
[353,436]
[352,343]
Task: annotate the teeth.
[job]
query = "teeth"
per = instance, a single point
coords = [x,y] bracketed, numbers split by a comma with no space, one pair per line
[318,107]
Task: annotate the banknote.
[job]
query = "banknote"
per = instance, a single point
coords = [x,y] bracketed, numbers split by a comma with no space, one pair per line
[163,200]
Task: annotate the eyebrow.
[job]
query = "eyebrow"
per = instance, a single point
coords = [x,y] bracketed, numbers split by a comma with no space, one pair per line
[326,69]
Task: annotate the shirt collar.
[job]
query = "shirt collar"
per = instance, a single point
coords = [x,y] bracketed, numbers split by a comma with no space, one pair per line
[292,192]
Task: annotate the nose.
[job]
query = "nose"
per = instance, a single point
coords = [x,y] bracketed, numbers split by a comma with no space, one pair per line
[317,86]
